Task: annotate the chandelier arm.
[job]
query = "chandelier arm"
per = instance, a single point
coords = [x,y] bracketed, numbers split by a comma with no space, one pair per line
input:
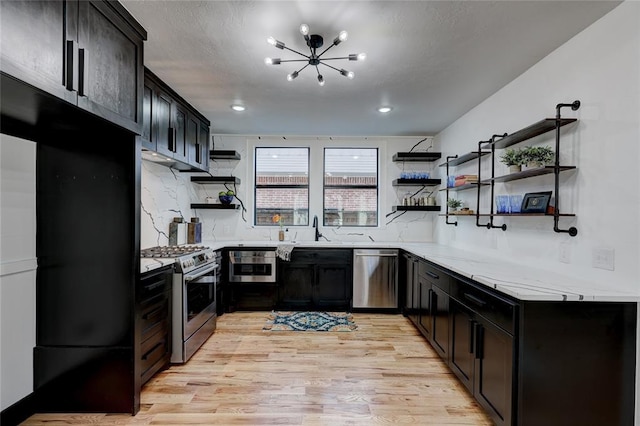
[295,51]
[294,60]
[331,59]
[327,65]
[332,44]
[317,70]
[303,68]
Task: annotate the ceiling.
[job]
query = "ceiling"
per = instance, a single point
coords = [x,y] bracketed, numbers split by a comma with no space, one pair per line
[432,61]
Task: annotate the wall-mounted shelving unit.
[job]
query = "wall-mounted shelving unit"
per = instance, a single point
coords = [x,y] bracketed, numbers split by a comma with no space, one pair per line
[421,156]
[504,141]
[215,206]
[215,179]
[221,154]
[416,156]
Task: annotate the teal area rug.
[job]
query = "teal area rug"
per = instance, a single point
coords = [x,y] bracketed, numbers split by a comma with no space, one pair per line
[310,321]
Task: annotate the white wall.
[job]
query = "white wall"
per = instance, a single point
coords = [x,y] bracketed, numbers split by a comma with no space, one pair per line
[17,268]
[167,194]
[601,68]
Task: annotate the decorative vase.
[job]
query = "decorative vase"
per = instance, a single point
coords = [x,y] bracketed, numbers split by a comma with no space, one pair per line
[534,165]
[515,169]
[281,235]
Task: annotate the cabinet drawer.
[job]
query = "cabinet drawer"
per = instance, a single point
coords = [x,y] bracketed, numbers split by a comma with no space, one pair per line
[157,351]
[435,275]
[498,310]
[154,319]
[339,256]
[153,284]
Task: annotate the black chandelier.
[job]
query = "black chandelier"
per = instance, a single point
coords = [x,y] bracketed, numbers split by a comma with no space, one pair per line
[314,41]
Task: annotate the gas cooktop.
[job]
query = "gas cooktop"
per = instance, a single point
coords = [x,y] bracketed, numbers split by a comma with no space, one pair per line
[171,251]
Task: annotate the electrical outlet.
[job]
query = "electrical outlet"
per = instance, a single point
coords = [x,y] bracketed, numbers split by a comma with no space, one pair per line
[565,253]
[603,258]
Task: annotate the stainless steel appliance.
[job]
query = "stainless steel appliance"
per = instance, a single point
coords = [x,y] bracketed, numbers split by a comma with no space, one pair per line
[197,273]
[252,266]
[375,278]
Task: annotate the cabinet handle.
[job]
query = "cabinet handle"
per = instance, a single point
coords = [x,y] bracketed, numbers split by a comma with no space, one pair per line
[472,324]
[432,275]
[83,59]
[172,139]
[471,298]
[155,348]
[433,306]
[479,332]
[153,313]
[197,153]
[70,65]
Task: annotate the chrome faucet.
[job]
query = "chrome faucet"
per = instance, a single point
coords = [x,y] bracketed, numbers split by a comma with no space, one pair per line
[315,225]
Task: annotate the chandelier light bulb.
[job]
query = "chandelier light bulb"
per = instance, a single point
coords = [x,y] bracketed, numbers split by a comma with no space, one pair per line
[350,75]
[304,29]
[362,56]
[292,76]
[271,41]
[343,35]
[320,80]
[268,61]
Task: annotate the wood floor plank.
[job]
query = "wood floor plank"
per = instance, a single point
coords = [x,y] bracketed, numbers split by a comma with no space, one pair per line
[383,373]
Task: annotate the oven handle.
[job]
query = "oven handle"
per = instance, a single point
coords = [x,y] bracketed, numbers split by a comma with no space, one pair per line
[200,272]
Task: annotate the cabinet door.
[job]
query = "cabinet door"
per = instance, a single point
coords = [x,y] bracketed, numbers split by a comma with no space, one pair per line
[493,385]
[110,73]
[425,319]
[461,358]
[203,145]
[34,47]
[440,313]
[193,148]
[162,132]
[147,118]
[181,132]
[333,287]
[296,282]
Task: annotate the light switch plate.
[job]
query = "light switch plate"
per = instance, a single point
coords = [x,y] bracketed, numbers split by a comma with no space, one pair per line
[603,258]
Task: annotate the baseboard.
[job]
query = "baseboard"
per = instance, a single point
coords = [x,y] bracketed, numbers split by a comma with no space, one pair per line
[20,411]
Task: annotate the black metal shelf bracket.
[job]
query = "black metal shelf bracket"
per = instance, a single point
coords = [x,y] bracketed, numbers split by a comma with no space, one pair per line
[572,231]
[449,158]
[490,142]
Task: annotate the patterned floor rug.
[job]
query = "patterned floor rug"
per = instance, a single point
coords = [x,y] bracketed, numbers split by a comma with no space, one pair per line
[310,321]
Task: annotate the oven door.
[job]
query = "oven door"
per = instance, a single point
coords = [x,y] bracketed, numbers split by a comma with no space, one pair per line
[199,297]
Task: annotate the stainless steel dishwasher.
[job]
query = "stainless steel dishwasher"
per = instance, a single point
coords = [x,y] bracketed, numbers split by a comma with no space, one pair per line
[375,278]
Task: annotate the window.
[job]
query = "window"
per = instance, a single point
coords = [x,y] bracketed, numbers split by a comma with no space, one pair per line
[351,187]
[282,186]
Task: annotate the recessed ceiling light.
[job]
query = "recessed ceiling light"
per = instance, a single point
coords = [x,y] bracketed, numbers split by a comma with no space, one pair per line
[384,109]
[355,157]
[238,108]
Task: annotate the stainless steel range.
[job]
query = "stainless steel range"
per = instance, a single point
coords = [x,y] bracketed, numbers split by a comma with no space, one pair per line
[197,273]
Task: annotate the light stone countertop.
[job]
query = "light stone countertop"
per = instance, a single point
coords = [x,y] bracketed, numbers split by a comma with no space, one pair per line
[513,279]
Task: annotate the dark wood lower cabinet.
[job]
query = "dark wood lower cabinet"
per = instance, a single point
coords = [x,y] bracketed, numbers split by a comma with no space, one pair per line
[529,363]
[316,280]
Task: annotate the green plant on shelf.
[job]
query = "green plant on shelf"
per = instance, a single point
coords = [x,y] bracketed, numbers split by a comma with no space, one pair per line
[453,204]
[537,156]
[512,157]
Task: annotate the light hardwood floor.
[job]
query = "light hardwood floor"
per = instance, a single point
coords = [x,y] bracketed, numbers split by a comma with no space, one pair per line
[382,373]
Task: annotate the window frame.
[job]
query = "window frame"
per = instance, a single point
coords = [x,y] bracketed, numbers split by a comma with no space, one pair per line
[257,186]
[325,186]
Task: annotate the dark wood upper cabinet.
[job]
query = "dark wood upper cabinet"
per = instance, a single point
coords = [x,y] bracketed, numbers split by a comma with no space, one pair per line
[89,53]
[177,129]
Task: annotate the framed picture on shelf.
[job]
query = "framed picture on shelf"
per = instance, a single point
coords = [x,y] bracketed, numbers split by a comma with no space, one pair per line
[535,202]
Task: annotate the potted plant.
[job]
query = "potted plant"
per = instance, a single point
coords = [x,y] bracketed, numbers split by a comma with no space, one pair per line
[513,159]
[453,204]
[537,156]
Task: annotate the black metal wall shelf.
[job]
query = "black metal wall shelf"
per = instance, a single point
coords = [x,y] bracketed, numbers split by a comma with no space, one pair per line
[416,182]
[416,208]
[508,215]
[528,173]
[215,179]
[417,156]
[542,126]
[458,160]
[215,206]
[224,155]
